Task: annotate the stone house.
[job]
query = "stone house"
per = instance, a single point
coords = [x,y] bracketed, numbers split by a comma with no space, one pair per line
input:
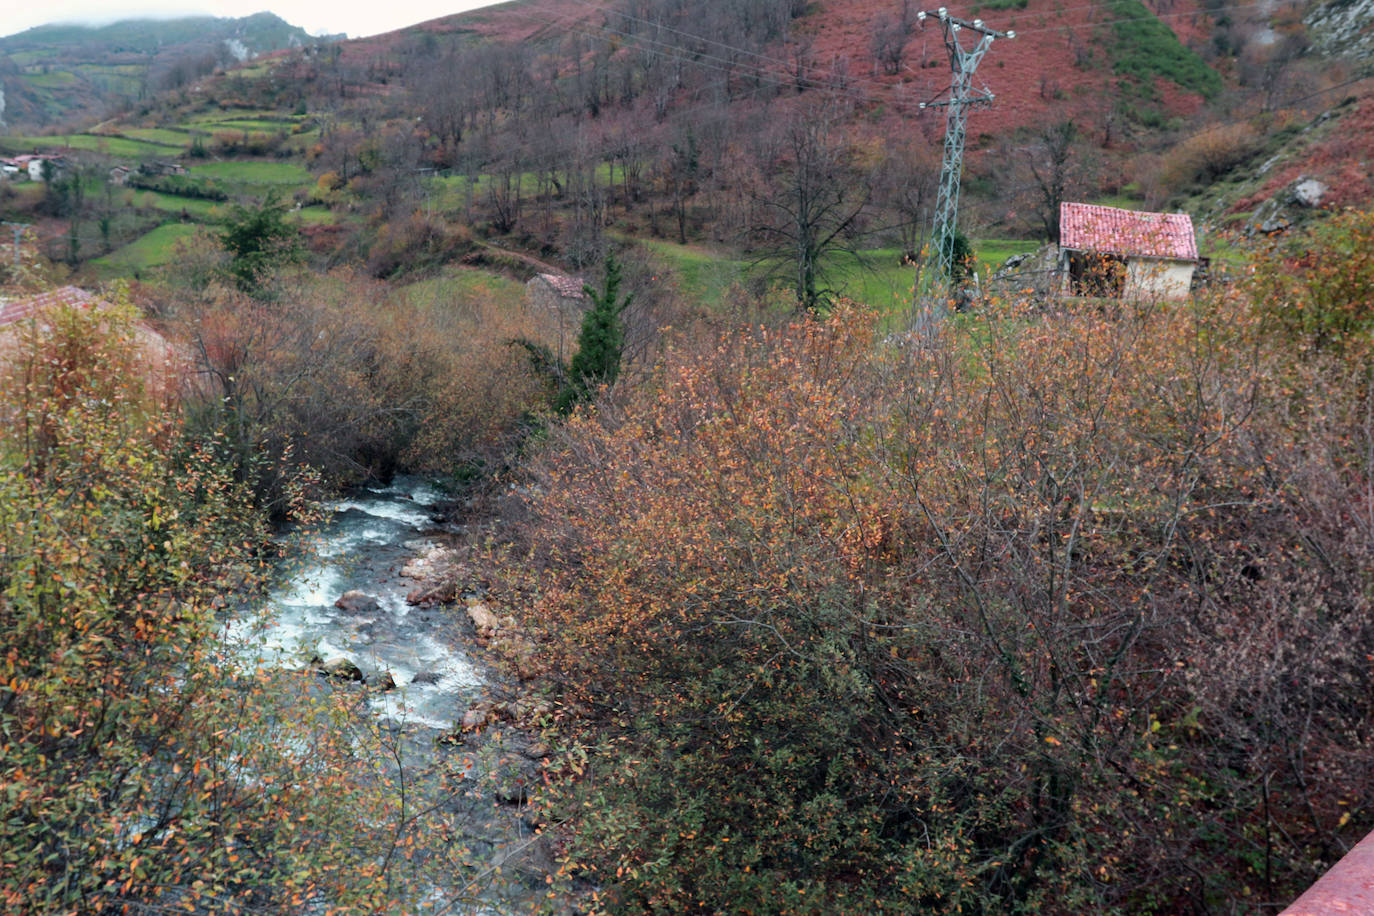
[1110,252]
[556,292]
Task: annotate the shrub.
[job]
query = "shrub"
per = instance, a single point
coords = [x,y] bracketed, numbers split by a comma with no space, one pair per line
[140,770]
[1318,288]
[1029,618]
[1146,49]
[342,374]
[180,185]
[416,245]
[1208,155]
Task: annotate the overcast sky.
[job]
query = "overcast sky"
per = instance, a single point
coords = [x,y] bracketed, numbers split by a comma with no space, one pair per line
[356,17]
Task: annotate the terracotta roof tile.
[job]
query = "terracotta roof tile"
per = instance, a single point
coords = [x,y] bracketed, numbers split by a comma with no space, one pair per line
[1085,227]
[570,287]
[19,309]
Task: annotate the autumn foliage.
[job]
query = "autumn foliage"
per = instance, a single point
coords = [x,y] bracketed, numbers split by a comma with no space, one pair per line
[1041,612]
[146,766]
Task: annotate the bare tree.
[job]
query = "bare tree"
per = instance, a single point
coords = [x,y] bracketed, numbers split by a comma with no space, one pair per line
[1056,169]
[809,213]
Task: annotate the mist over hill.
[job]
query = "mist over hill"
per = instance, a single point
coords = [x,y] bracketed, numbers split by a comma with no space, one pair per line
[61,74]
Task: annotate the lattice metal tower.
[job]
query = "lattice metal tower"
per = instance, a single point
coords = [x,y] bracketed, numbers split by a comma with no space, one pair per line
[936,278]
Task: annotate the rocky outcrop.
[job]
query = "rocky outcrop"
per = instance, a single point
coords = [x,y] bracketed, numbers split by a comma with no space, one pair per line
[1308,192]
[1341,28]
[484,621]
[1035,275]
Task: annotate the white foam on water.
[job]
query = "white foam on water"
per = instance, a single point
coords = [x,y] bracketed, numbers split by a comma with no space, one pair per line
[317,586]
[267,639]
[348,541]
[425,494]
[394,605]
[416,489]
[388,509]
[401,706]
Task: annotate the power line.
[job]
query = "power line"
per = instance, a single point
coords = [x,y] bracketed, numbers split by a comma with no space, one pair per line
[723,65]
[852,90]
[938,279]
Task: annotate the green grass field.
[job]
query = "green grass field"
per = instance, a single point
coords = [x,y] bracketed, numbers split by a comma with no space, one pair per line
[163,135]
[207,119]
[119,147]
[252,172]
[457,284]
[153,249]
[993,253]
[878,279]
[703,274]
[261,125]
[313,216]
[25,58]
[205,210]
[53,79]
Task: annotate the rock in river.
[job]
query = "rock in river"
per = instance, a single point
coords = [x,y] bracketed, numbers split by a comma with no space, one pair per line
[356,602]
[340,668]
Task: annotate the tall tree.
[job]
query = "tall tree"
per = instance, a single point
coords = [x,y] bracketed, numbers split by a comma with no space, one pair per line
[1056,171]
[810,212]
[601,342]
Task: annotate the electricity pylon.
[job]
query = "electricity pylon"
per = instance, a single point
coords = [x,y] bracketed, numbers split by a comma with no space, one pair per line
[937,277]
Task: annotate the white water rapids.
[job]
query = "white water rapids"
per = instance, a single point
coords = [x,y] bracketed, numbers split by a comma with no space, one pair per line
[362,546]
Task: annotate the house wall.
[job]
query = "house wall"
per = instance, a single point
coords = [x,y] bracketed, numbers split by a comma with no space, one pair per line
[1157,278]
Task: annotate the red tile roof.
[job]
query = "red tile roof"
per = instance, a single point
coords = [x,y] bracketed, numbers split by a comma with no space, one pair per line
[1347,888]
[1085,227]
[19,309]
[568,287]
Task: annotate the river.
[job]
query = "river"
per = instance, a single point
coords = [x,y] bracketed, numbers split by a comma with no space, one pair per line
[464,786]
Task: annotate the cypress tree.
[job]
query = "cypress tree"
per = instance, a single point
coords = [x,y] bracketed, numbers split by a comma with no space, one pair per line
[600,343]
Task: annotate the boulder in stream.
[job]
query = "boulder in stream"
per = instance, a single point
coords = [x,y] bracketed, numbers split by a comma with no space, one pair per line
[382,681]
[356,602]
[341,669]
[432,593]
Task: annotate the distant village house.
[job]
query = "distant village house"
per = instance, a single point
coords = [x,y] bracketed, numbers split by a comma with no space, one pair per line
[32,166]
[158,169]
[1106,251]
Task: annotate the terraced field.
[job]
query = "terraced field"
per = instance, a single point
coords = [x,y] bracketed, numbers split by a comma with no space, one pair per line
[253,172]
[154,249]
[117,147]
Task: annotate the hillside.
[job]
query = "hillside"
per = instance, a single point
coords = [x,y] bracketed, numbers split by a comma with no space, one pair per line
[555,127]
[62,74]
[759,582]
